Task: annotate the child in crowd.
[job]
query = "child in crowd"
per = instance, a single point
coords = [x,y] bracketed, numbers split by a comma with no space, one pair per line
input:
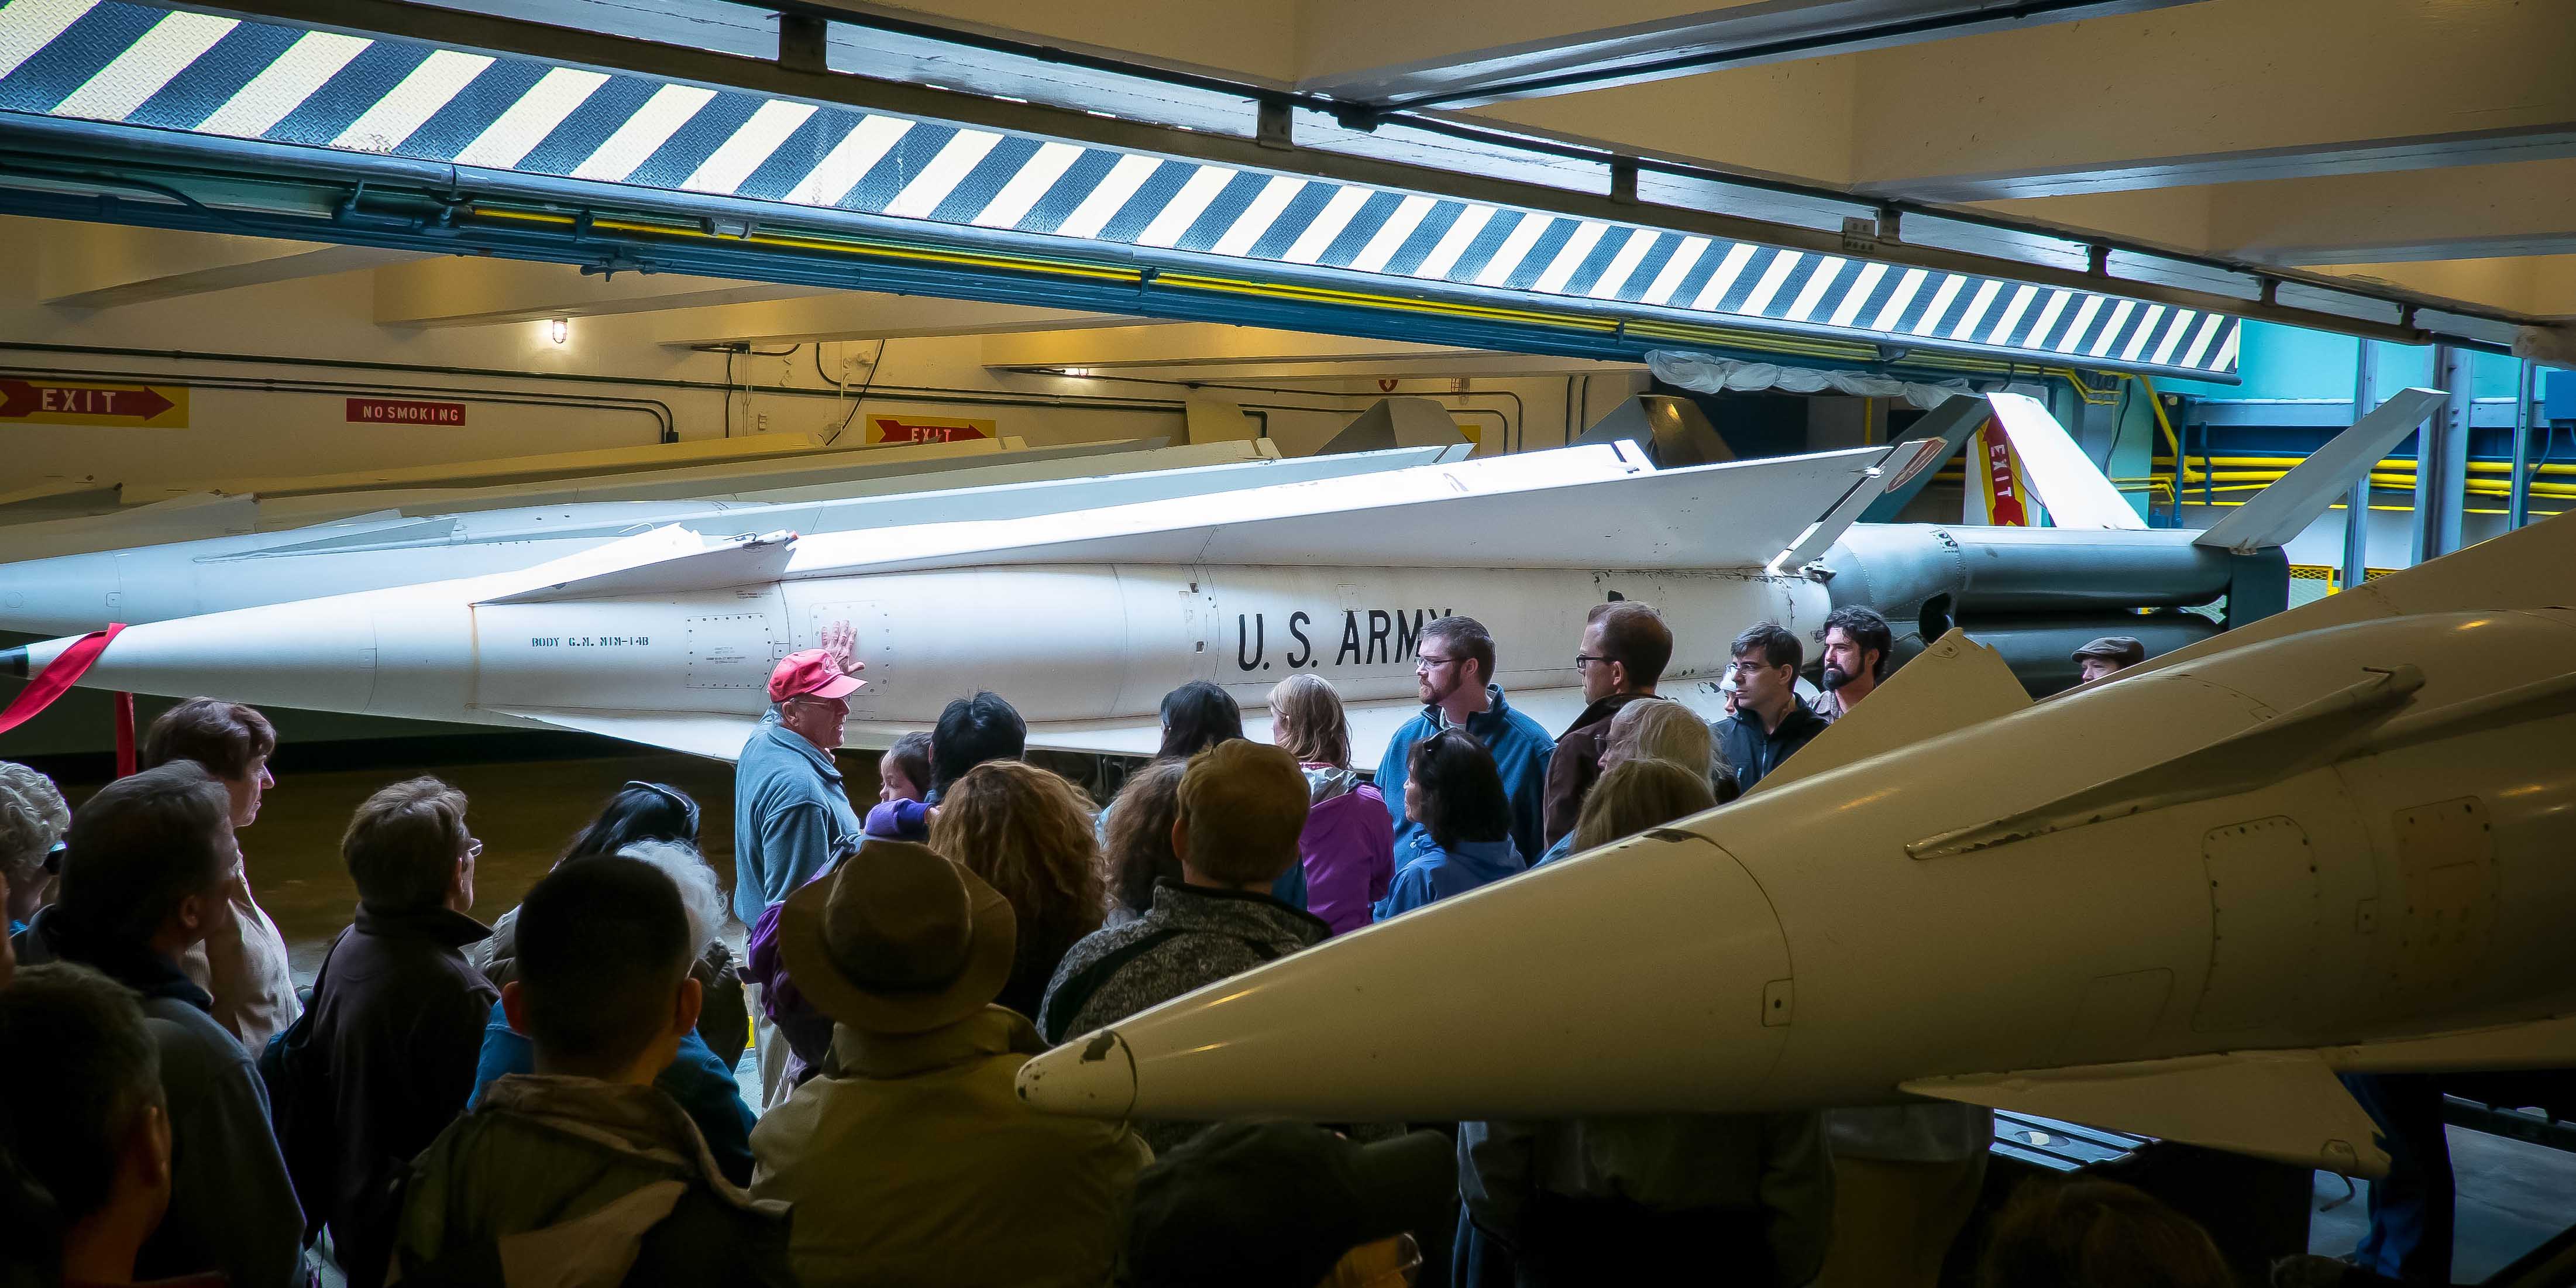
[903,779]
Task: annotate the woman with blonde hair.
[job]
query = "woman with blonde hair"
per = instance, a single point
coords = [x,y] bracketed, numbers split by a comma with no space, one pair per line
[1348,847]
[1659,729]
[1028,833]
[1637,795]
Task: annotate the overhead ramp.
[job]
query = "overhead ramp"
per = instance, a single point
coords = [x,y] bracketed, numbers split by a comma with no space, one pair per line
[126,112]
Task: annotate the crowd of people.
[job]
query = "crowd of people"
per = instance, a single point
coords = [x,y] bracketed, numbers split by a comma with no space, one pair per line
[553,1097]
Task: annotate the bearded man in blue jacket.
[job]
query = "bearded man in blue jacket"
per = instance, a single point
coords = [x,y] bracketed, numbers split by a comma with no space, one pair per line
[1453,672]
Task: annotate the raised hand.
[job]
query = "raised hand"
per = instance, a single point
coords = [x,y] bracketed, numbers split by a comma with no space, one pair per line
[839,640]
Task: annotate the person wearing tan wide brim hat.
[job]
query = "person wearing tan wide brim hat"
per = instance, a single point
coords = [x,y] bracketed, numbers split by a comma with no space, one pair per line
[897,939]
[911,1146]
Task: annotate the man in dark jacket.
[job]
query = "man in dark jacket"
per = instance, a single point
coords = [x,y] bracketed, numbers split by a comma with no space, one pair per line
[1624,649]
[1770,724]
[583,1172]
[397,1012]
[1242,806]
[149,859]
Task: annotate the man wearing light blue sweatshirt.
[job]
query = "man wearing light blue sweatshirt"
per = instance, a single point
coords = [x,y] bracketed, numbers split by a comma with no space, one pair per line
[1453,673]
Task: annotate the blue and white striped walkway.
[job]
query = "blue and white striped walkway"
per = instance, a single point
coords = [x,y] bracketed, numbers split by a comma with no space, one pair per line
[105,60]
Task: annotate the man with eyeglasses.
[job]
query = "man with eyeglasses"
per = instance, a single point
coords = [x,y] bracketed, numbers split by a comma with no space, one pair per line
[791,813]
[1453,671]
[1770,724]
[397,1019]
[1623,652]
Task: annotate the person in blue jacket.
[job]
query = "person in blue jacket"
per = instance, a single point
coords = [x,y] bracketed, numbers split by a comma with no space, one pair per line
[1457,798]
[1453,672]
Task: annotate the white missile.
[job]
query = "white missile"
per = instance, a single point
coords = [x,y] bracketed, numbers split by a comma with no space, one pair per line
[2173,902]
[81,592]
[1087,616]
[1921,577]
[1084,618]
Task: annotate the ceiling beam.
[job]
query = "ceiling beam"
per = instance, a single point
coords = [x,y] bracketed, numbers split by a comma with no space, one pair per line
[1544,48]
[2474,212]
[105,266]
[862,315]
[473,290]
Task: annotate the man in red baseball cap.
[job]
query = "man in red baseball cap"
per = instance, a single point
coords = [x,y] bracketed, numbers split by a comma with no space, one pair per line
[791,812]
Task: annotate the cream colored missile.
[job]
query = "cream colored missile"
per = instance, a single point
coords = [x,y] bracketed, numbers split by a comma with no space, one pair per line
[2174,903]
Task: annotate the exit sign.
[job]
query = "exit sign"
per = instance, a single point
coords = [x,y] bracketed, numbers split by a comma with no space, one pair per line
[48,402]
[926,429]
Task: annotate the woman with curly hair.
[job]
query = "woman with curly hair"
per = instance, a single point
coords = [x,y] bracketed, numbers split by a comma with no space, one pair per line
[1027,833]
[32,818]
[1136,838]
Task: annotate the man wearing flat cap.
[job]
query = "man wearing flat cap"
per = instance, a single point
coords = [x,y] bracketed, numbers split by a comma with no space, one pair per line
[790,810]
[910,1158]
[2109,655]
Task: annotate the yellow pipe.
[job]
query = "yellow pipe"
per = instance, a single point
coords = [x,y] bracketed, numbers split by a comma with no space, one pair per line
[2396,463]
[2162,422]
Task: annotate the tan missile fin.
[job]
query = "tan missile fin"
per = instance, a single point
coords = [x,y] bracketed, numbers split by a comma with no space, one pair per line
[2282,1105]
[1956,683]
[2284,746]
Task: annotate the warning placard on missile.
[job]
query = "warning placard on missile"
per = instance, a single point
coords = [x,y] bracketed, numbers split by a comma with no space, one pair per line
[925,429]
[51,402]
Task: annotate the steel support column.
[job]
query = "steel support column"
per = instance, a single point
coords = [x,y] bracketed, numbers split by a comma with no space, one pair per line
[2442,459]
[2517,504]
[2356,507]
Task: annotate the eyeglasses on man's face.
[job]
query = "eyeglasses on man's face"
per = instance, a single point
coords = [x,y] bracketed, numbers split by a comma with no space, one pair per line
[1582,660]
[1425,664]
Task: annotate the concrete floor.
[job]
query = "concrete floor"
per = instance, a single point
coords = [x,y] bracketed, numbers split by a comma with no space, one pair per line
[2513,1196]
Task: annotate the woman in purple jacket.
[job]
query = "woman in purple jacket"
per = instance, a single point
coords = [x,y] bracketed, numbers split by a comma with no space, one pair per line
[1349,842]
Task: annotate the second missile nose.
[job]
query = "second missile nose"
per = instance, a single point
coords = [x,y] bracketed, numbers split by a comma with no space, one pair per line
[1094,1077]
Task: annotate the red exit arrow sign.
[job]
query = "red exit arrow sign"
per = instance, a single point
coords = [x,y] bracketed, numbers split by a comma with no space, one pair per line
[87,404]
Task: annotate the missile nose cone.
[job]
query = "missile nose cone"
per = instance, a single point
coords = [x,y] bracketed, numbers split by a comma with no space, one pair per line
[1091,1077]
[1695,992]
[13,663]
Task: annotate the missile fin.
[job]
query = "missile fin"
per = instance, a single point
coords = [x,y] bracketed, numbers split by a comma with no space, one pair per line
[2283,747]
[667,559]
[1829,528]
[1577,507]
[2282,1105]
[2075,491]
[2284,510]
[717,737]
[2530,567]
[1956,683]
[354,535]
